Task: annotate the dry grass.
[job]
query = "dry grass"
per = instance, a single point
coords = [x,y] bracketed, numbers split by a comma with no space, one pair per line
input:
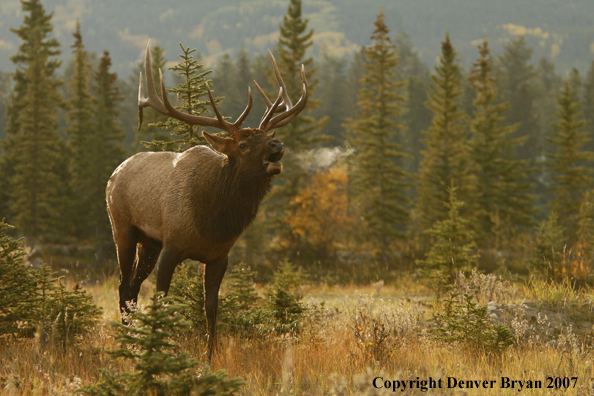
[330,356]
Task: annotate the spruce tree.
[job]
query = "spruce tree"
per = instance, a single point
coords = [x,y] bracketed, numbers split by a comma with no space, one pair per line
[501,180]
[300,133]
[446,160]
[189,91]
[516,79]
[453,247]
[17,288]
[109,151]
[588,101]
[82,139]
[379,183]
[570,165]
[33,148]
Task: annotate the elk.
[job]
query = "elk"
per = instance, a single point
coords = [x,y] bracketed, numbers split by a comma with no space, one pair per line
[166,207]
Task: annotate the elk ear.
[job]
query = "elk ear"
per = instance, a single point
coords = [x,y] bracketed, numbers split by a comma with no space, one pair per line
[272,134]
[221,144]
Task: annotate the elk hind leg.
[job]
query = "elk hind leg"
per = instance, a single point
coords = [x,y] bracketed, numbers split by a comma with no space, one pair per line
[148,253]
[125,240]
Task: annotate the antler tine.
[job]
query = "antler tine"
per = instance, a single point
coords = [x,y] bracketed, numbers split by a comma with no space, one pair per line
[152,100]
[270,111]
[284,118]
[281,83]
[266,100]
[164,107]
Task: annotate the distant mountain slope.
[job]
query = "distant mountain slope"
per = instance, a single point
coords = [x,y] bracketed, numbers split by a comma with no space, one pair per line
[560,29]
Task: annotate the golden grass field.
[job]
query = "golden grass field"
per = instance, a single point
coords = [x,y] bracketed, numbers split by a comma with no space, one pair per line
[330,357]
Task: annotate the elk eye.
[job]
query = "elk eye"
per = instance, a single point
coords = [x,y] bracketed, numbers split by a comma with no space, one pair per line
[243,146]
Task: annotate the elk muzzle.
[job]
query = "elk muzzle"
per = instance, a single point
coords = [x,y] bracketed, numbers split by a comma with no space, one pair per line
[272,160]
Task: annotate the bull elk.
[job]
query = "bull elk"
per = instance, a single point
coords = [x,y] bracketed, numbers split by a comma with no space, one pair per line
[166,207]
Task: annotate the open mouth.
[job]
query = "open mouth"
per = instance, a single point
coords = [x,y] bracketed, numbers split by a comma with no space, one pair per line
[275,157]
[272,164]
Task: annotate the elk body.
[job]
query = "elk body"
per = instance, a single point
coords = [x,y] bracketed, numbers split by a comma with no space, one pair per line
[165,207]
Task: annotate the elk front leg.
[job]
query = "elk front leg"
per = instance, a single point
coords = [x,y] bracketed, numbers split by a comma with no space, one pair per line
[213,275]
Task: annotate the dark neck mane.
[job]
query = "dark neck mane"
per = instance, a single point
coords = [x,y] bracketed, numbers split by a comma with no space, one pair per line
[238,198]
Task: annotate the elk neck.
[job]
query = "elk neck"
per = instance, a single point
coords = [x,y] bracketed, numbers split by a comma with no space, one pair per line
[236,195]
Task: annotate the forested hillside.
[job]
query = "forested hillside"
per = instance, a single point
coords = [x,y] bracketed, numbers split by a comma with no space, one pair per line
[560,29]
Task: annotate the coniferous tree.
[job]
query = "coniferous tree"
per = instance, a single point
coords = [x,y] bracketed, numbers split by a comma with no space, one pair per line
[225,84]
[588,102]
[501,180]
[190,89]
[417,116]
[569,163]
[516,78]
[453,248]
[37,181]
[109,151]
[446,160]
[299,134]
[17,288]
[82,140]
[333,97]
[379,183]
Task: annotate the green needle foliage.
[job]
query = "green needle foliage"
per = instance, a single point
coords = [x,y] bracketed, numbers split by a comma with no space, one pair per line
[17,288]
[189,92]
[378,181]
[34,300]
[32,148]
[446,160]
[109,151]
[83,142]
[549,246]
[452,247]
[569,164]
[158,367]
[467,323]
[501,180]
[300,134]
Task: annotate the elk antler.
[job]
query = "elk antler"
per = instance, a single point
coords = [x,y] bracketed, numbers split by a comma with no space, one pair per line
[268,122]
[164,107]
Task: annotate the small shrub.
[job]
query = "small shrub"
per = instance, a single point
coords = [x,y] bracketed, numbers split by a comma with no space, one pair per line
[17,289]
[35,300]
[453,248]
[467,323]
[158,368]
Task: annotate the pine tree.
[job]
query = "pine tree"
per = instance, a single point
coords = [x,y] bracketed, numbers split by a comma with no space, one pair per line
[32,148]
[588,101]
[569,164]
[549,245]
[158,368]
[379,183]
[299,134]
[417,116]
[453,248]
[446,160]
[501,180]
[515,77]
[192,87]
[82,140]
[109,151]
[17,288]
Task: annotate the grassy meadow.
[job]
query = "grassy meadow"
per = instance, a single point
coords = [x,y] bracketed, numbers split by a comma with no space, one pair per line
[349,336]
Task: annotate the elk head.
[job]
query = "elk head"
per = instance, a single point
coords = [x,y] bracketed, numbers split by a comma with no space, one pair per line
[245,144]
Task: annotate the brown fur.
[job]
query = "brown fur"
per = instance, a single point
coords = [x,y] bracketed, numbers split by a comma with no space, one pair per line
[166,207]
